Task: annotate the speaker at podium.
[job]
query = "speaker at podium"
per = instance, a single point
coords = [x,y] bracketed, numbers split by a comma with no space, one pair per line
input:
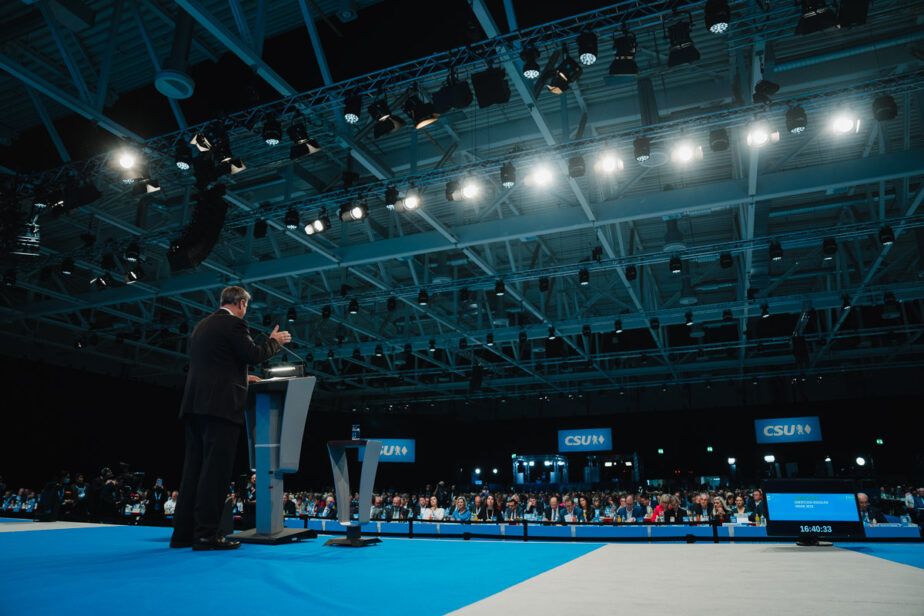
[275,420]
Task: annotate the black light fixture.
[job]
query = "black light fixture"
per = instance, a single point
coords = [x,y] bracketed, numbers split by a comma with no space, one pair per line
[132,252]
[676,265]
[884,108]
[682,50]
[816,16]
[543,285]
[829,248]
[725,260]
[423,298]
[631,273]
[717,16]
[325,312]
[354,211]
[291,219]
[688,318]
[291,315]
[491,87]
[551,333]
[379,351]
[422,114]
[379,110]
[886,235]
[102,281]
[330,354]
[391,197]
[272,130]
[584,277]
[577,168]
[353,307]
[432,346]
[67,266]
[302,144]
[133,275]
[845,304]
[489,340]
[796,120]
[318,225]
[642,149]
[764,90]
[587,47]
[890,307]
[617,326]
[776,251]
[624,49]
[453,191]
[718,140]
[352,107]
[764,311]
[852,13]
[508,175]
[499,288]
[727,315]
[565,74]
[530,57]
[586,331]
[391,304]
[182,157]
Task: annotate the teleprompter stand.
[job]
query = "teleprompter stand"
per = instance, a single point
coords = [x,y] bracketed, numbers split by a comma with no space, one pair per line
[276,413]
[338,463]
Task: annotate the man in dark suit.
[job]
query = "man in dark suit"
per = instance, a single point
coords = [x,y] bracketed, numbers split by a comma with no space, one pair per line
[757,506]
[220,349]
[868,513]
[631,512]
[395,511]
[702,506]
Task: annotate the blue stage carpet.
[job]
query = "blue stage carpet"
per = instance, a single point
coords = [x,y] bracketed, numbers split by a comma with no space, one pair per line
[13,520]
[904,553]
[130,570]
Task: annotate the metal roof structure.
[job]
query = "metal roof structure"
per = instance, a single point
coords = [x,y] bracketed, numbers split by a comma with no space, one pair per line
[657,273]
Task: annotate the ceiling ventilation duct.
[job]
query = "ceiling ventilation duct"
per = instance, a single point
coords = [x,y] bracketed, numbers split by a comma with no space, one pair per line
[173,81]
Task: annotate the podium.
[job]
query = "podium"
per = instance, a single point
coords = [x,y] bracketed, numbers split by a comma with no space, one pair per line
[277,410]
[338,462]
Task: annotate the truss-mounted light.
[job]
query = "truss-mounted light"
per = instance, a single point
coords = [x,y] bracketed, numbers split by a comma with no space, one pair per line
[796,120]
[530,57]
[567,72]
[352,107]
[624,49]
[685,152]
[760,134]
[587,47]
[845,122]
[682,50]
[717,15]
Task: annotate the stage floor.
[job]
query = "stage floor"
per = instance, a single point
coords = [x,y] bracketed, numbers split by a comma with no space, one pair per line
[119,570]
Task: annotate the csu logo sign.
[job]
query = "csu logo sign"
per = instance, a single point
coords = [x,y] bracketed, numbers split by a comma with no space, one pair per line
[591,439]
[788,430]
[394,450]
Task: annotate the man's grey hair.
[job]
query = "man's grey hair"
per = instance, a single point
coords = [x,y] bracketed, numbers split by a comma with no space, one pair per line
[232,295]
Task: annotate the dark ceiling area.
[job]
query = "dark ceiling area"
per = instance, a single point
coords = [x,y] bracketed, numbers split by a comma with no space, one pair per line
[676,208]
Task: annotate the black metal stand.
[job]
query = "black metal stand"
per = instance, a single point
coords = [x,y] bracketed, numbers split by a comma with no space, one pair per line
[286,535]
[353,539]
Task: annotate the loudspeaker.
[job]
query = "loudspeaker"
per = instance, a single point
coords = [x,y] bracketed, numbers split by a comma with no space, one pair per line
[201,234]
[491,87]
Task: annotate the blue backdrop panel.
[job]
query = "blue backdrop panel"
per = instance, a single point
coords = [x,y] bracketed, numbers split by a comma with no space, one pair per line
[121,570]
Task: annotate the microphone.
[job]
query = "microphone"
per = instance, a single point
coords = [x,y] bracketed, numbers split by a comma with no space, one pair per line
[285,348]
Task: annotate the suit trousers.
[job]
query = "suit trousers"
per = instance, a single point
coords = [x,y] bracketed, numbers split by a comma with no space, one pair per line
[211,444]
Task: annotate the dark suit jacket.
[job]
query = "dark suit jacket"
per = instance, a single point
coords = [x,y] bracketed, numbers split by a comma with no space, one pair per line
[697,509]
[874,514]
[220,349]
[394,513]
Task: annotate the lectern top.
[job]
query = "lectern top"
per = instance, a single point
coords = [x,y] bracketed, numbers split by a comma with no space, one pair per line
[349,443]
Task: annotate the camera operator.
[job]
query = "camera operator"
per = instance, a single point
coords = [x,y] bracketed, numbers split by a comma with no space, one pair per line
[110,499]
[157,496]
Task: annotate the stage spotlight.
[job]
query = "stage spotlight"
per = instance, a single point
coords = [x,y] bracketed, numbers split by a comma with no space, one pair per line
[816,16]
[718,140]
[291,315]
[423,298]
[846,305]
[530,57]
[551,335]
[796,120]
[321,223]
[508,175]
[411,199]
[291,220]
[617,326]
[845,122]
[676,265]
[682,50]
[608,163]
[541,176]
[776,251]
[127,159]
[379,110]
[272,130]
[354,211]
[587,47]
[453,191]
[861,461]
[759,135]
[353,306]
[763,90]
[379,351]
[770,458]
[583,277]
[890,307]
[631,273]
[391,197]
[624,49]
[470,188]
[717,15]
[102,281]
[852,13]
[422,114]
[489,340]
[725,260]
[829,248]
[9,278]
[642,149]
[352,107]
[133,275]
[886,235]
[302,144]
[567,73]
[182,157]
[576,167]
[685,152]
[432,346]
[67,266]
[499,288]
[764,311]
[688,318]
[884,108]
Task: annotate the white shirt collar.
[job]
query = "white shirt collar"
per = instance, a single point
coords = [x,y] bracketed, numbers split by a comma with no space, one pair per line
[227,310]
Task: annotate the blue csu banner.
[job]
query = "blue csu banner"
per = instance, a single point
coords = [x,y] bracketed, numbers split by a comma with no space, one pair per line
[591,439]
[788,430]
[394,450]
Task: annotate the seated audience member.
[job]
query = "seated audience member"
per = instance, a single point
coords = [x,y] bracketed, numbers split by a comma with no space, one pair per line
[532,512]
[729,501]
[610,509]
[328,509]
[720,515]
[702,505]
[868,513]
[396,511]
[919,505]
[288,505]
[476,506]
[758,507]
[676,513]
[461,512]
[554,512]
[170,503]
[740,509]
[631,512]
[590,514]
[512,511]
[377,512]
[433,511]
[644,501]
[571,513]
[422,502]
[489,511]
[299,505]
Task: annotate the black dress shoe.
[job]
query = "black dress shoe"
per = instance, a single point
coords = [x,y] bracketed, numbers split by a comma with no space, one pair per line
[180,544]
[218,543]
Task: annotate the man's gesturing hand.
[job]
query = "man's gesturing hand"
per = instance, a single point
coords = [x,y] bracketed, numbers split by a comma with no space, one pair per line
[281,337]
